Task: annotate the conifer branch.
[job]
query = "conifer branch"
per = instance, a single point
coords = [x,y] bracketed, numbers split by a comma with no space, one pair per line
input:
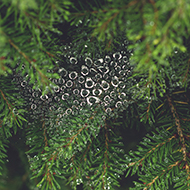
[179,128]
[105,165]
[156,16]
[164,171]
[43,77]
[87,149]
[187,71]
[150,151]
[148,109]
[104,11]
[8,104]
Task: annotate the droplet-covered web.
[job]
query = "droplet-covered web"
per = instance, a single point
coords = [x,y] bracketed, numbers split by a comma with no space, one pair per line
[88,84]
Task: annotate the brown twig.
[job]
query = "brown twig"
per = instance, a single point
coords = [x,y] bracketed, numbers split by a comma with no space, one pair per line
[104,11]
[179,128]
[153,149]
[169,168]
[155,15]
[186,73]
[8,104]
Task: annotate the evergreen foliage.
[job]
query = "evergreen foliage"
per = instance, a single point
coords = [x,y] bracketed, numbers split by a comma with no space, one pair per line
[73,73]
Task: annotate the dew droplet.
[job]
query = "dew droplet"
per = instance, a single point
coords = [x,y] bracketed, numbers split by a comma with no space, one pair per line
[98,76]
[121,85]
[92,100]
[105,85]
[88,61]
[81,79]
[118,104]
[57,98]
[122,95]
[33,106]
[117,55]
[106,98]
[35,94]
[73,75]
[69,83]
[63,72]
[24,83]
[89,83]
[107,59]
[73,60]
[96,92]
[115,81]
[108,110]
[76,91]
[43,97]
[68,111]
[84,70]
[61,81]
[84,92]
[56,88]
[125,59]
[65,96]
[98,62]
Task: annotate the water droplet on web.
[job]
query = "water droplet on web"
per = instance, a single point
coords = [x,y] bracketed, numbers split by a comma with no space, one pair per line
[125,59]
[99,62]
[56,88]
[106,98]
[92,100]
[113,94]
[121,85]
[65,96]
[84,92]
[117,55]
[104,70]
[57,98]
[69,83]
[118,104]
[73,60]
[73,75]
[113,64]
[122,95]
[68,111]
[84,70]
[61,81]
[89,83]
[33,106]
[24,83]
[125,103]
[35,94]
[93,71]
[76,91]
[98,76]
[118,68]
[96,92]
[105,85]
[83,103]
[88,61]
[81,79]
[122,73]
[115,81]
[15,111]
[43,97]
[63,72]
[107,59]
[108,111]
[63,88]
[76,102]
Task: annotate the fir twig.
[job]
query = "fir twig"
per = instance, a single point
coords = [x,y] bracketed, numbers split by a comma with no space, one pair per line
[179,128]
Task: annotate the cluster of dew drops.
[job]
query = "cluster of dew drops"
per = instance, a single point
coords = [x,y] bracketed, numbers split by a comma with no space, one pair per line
[86,84]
